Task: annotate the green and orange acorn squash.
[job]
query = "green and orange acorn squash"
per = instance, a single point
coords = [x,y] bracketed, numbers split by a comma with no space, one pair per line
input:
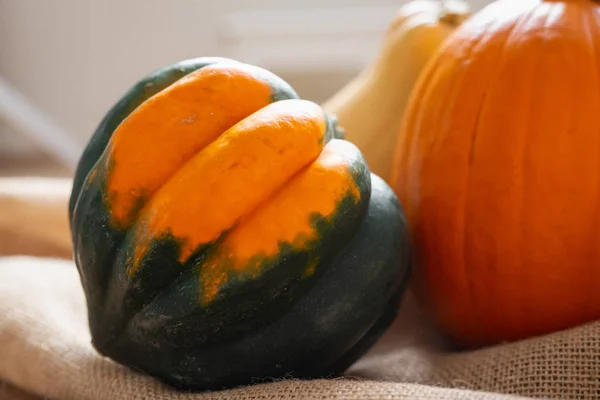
[226,233]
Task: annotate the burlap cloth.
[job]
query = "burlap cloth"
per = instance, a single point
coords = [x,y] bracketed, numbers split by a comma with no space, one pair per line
[45,352]
[33,216]
[45,349]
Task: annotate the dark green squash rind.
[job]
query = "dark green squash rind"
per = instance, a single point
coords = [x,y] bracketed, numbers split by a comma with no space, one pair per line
[177,304]
[323,331]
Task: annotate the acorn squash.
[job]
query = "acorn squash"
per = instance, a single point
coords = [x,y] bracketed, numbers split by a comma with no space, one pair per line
[226,233]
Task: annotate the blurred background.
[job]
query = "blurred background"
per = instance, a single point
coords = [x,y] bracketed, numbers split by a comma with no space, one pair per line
[64,63]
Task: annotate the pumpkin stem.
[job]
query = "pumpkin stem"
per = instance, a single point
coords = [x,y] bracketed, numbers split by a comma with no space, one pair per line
[451,13]
[334,130]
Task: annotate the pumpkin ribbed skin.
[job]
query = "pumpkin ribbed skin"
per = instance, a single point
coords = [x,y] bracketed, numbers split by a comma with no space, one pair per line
[497,168]
[224,232]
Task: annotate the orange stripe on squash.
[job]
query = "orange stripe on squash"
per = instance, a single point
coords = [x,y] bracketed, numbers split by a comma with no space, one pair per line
[286,218]
[232,176]
[163,133]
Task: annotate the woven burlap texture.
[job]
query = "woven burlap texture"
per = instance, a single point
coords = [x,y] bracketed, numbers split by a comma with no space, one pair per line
[45,351]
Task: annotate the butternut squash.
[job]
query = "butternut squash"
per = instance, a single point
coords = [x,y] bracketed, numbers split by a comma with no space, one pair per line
[370,107]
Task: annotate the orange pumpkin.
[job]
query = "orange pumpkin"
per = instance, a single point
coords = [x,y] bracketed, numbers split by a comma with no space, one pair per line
[498,167]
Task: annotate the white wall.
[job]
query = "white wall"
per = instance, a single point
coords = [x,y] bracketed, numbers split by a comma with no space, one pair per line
[74,58]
